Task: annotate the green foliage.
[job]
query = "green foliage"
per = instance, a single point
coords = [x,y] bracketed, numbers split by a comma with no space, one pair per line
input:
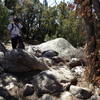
[3,21]
[70,28]
[11,4]
[35,1]
[30,14]
[43,23]
[62,22]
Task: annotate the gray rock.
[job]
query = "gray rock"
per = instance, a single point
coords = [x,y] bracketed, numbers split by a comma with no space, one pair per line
[1,57]
[76,62]
[50,81]
[28,90]
[2,98]
[60,45]
[78,70]
[81,93]
[95,97]
[22,61]
[49,53]
[7,81]
[66,96]
[34,51]
[6,95]
[2,48]
[47,97]
[1,54]
[63,96]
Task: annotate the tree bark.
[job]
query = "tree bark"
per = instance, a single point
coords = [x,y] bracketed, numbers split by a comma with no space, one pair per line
[92,56]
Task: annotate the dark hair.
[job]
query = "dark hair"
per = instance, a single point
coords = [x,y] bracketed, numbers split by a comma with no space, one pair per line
[16,20]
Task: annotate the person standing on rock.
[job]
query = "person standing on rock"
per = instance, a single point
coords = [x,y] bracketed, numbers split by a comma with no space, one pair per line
[14,29]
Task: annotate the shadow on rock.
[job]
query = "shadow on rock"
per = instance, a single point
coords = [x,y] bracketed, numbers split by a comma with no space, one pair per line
[47,83]
[6,95]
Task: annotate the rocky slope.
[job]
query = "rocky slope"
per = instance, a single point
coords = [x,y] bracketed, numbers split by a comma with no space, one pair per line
[49,71]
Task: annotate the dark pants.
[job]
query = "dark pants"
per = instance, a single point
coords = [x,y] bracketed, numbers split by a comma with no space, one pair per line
[17,41]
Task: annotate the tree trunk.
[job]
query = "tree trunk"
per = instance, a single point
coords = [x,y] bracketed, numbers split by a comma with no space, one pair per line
[92,73]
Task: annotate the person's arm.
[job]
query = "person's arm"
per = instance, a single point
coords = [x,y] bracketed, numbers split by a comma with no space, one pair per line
[20,25]
[9,30]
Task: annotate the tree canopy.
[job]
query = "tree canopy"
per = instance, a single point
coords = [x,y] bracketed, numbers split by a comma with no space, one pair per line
[42,23]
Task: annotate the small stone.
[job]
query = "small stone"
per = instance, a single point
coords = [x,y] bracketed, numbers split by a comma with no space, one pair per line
[10,86]
[29,90]
[1,98]
[79,92]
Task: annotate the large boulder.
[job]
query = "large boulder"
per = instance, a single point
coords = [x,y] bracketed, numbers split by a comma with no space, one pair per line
[22,61]
[60,45]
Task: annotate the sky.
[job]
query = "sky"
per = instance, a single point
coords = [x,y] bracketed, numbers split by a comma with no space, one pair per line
[52,2]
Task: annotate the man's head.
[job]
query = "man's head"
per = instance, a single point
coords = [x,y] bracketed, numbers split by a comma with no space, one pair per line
[16,20]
